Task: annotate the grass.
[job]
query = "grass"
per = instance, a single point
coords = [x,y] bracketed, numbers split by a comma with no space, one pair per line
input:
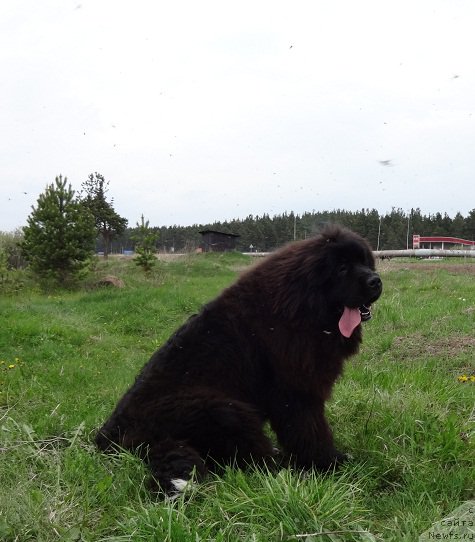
[66,358]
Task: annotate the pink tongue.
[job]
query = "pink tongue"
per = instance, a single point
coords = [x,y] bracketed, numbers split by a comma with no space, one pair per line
[350,319]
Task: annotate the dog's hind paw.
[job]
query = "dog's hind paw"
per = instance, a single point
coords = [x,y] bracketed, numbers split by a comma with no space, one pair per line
[178,487]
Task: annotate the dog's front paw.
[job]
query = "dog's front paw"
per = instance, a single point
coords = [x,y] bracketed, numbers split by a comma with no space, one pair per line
[332,460]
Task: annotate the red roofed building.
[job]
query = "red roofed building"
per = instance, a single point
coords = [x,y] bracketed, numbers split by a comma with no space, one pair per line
[441,242]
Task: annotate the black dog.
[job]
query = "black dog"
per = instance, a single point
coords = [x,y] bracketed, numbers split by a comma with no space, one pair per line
[268,348]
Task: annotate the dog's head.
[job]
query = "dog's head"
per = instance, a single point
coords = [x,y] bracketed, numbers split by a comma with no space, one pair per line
[348,277]
[329,280]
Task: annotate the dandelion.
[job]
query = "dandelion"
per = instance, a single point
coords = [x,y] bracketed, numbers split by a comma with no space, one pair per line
[462,378]
[11,366]
[472,378]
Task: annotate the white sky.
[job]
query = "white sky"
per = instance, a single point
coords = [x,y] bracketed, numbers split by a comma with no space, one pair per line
[198,111]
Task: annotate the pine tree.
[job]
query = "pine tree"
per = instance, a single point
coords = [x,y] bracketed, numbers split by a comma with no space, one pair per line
[108,223]
[469,227]
[59,238]
[146,239]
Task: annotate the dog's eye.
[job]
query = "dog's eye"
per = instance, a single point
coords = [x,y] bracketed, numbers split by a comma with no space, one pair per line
[342,269]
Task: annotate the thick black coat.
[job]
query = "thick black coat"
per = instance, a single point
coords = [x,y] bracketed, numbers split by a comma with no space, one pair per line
[269,348]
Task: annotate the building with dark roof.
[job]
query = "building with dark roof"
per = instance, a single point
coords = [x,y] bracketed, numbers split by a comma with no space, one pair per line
[218,241]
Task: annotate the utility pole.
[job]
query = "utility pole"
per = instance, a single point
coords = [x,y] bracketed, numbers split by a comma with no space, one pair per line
[379,232]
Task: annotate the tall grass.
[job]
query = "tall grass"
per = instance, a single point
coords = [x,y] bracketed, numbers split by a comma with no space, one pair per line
[400,409]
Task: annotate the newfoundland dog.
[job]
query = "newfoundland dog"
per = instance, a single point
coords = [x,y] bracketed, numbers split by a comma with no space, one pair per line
[268,348]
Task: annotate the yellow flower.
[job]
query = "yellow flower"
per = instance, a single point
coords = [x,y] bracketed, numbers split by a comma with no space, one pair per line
[472,378]
[462,378]
[11,366]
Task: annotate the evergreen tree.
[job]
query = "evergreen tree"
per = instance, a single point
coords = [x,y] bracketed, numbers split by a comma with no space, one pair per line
[59,238]
[108,223]
[469,227]
[371,231]
[417,222]
[10,246]
[456,226]
[146,239]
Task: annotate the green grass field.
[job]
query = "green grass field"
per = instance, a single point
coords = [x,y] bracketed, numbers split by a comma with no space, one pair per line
[400,409]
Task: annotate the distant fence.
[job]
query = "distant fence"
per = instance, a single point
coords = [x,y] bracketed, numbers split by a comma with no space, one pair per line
[409,253]
[424,253]
[257,254]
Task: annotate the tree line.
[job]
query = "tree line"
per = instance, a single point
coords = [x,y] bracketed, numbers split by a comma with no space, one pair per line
[264,233]
[66,228]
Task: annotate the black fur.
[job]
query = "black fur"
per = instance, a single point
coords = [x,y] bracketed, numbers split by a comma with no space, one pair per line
[267,348]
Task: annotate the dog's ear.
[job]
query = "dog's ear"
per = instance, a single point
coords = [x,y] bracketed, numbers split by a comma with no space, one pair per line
[331,233]
[299,281]
[324,260]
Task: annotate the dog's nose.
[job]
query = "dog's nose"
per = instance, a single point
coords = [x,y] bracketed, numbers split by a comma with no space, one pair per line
[374,282]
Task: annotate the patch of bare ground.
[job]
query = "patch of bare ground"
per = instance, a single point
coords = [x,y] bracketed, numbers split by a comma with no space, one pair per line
[416,345]
[462,268]
[111,280]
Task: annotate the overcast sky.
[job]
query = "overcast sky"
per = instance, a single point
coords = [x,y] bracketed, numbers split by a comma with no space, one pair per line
[197,111]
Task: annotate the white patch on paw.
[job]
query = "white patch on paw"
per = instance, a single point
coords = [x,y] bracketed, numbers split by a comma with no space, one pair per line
[179,484]
[180,487]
